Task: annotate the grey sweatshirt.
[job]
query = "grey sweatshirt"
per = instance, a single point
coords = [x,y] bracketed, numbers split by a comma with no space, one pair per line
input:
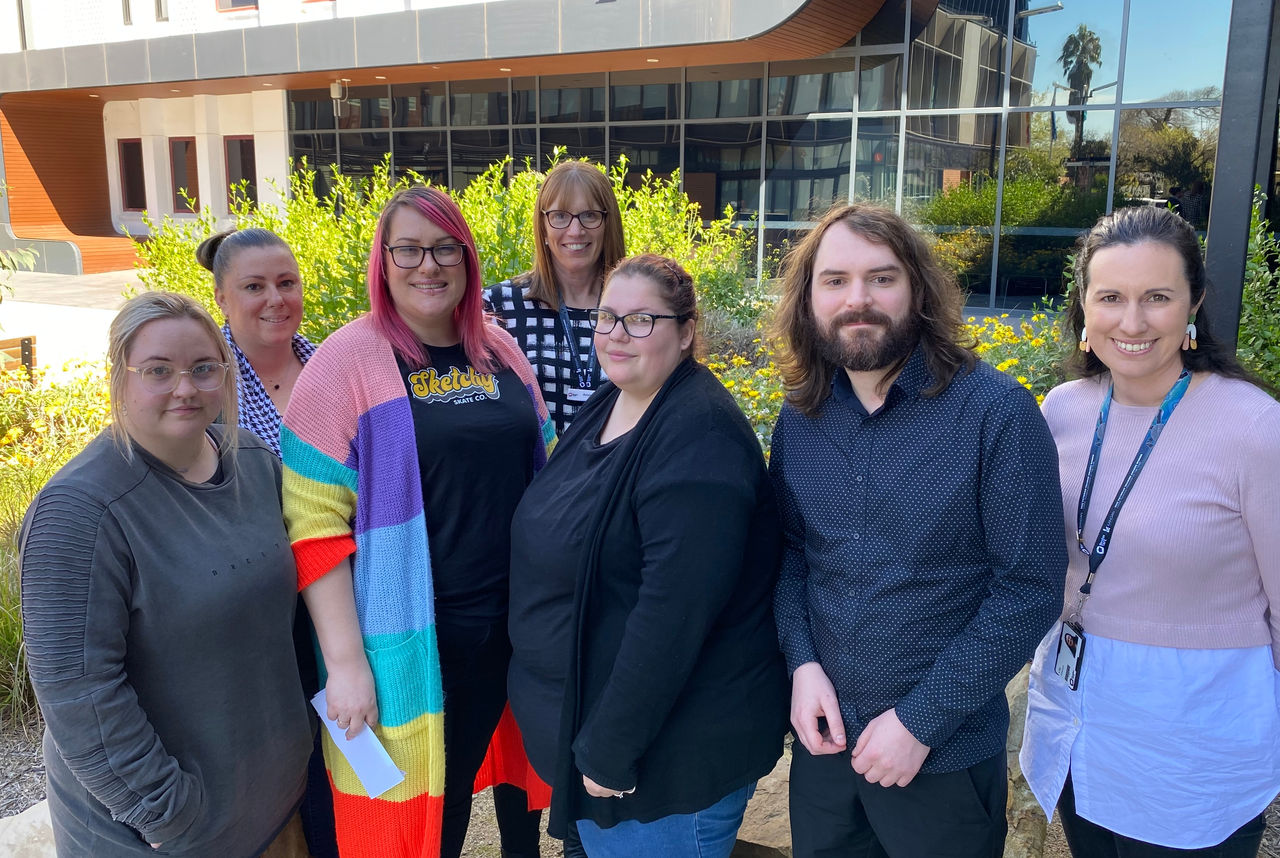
[158,617]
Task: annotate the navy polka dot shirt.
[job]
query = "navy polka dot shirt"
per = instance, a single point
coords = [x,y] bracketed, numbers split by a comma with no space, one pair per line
[924,554]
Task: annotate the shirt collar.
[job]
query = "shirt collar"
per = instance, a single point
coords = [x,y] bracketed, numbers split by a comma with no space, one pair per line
[914,378]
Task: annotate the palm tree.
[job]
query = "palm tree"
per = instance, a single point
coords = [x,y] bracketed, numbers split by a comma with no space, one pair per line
[1080,53]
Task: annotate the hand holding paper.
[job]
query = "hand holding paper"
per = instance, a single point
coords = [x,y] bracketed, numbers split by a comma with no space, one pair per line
[370,761]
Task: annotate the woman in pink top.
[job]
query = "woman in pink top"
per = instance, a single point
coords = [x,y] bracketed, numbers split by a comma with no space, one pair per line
[1153,722]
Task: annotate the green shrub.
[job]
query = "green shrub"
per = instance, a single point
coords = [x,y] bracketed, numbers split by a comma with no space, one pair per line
[1259,336]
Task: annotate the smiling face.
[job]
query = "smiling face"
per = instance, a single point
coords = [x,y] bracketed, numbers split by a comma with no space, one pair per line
[1136,308]
[424,296]
[640,365]
[261,296]
[861,298]
[574,249]
[164,421]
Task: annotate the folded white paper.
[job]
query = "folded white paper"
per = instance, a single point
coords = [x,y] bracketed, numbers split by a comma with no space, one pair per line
[370,761]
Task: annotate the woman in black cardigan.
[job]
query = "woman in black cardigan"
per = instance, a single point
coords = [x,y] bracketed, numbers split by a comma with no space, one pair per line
[646,677]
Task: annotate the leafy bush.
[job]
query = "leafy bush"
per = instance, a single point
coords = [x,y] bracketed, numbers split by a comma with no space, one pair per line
[42,425]
[331,234]
[1259,337]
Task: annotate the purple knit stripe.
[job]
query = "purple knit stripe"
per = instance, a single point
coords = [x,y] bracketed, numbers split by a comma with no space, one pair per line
[388,486]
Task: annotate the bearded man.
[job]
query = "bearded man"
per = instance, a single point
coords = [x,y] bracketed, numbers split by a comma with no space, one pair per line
[924,557]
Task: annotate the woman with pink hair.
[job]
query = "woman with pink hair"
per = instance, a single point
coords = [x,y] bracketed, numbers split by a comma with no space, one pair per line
[409,439]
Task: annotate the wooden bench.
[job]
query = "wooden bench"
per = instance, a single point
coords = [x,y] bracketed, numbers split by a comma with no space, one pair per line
[18,352]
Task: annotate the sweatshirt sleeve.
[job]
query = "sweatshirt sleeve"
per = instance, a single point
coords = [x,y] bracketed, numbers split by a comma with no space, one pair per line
[692,513]
[75,611]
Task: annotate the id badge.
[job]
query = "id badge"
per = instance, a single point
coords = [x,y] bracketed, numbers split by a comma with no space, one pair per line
[1070,654]
[578,394]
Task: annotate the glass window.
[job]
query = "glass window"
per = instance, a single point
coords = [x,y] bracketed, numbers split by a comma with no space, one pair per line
[133,183]
[424,152]
[162,10]
[1177,49]
[228,5]
[1167,155]
[479,102]
[580,142]
[310,109]
[572,98]
[722,167]
[524,149]
[647,147]
[957,61]
[183,172]
[419,105]
[242,170]
[365,107]
[876,171]
[880,83]
[885,28]
[811,86]
[1055,185]
[474,152]
[524,101]
[806,167]
[714,92]
[635,95]
[1067,56]
[360,153]
[317,152]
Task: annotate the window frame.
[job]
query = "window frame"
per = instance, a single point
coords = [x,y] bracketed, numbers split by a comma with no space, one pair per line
[179,204]
[120,165]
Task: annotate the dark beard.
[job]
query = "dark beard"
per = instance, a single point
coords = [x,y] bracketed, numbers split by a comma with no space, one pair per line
[866,353]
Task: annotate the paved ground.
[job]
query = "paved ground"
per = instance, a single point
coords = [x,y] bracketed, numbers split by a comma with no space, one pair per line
[69,315]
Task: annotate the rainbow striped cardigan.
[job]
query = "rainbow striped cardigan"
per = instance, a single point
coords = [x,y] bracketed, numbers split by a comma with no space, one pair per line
[351,485]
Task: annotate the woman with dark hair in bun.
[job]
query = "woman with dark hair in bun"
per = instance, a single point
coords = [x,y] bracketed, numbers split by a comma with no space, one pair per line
[259,290]
[257,286]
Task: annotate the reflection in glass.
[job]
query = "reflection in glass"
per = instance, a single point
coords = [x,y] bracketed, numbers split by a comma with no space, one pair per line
[417,105]
[722,167]
[572,98]
[1166,156]
[360,153]
[957,61]
[647,147]
[424,152]
[473,152]
[806,167]
[1177,49]
[478,102]
[580,142]
[310,109]
[885,28]
[1067,57]
[876,171]
[714,92]
[320,152]
[524,101]
[524,149]
[364,107]
[811,86]
[635,95]
[880,83]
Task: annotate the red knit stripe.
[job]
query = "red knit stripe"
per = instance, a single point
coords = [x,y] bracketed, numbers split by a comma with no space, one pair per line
[316,557]
[373,828]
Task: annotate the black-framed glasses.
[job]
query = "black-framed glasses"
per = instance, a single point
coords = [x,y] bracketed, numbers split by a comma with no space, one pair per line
[162,378]
[635,324]
[560,219]
[411,255]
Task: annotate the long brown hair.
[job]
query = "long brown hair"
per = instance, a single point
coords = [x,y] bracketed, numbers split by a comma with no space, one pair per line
[540,283]
[936,304]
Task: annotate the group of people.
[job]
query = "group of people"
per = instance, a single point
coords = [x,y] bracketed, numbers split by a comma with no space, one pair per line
[538,547]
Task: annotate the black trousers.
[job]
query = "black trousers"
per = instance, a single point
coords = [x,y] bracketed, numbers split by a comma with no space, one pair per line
[836,813]
[1090,840]
[473,672]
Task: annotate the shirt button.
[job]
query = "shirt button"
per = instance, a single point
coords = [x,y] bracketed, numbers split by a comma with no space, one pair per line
[858,478]
[857,536]
[1075,722]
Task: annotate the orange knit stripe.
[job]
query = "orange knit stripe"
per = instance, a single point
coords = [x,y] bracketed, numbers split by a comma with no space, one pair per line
[373,828]
[316,557]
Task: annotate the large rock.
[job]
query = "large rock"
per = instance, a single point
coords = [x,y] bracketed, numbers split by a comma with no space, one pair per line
[29,834]
[766,828]
[1026,820]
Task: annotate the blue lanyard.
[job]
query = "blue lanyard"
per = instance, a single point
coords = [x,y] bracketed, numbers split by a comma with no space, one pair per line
[1099,552]
[586,375]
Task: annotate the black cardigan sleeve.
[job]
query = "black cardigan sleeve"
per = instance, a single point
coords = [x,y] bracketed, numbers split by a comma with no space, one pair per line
[693,503]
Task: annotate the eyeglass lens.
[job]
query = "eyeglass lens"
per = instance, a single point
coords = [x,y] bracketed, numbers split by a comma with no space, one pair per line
[635,324]
[164,379]
[590,219]
[411,255]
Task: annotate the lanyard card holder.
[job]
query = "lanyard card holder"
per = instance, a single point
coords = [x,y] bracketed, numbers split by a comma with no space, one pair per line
[1070,654]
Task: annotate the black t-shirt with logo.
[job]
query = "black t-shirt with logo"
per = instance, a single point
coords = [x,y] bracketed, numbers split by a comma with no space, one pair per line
[475,434]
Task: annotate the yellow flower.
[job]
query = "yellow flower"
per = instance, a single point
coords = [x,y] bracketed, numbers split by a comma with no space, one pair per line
[1007,364]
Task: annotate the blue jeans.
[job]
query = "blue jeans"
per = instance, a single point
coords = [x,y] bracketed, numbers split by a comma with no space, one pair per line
[709,833]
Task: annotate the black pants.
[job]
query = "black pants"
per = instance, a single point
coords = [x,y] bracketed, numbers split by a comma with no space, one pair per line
[836,813]
[1089,840]
[473,668]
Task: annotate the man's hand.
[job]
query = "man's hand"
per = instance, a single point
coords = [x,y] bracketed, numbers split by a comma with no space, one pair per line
[814,697]
[886,753]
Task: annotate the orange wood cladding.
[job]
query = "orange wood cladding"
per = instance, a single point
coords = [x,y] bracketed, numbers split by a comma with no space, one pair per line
[56,168]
